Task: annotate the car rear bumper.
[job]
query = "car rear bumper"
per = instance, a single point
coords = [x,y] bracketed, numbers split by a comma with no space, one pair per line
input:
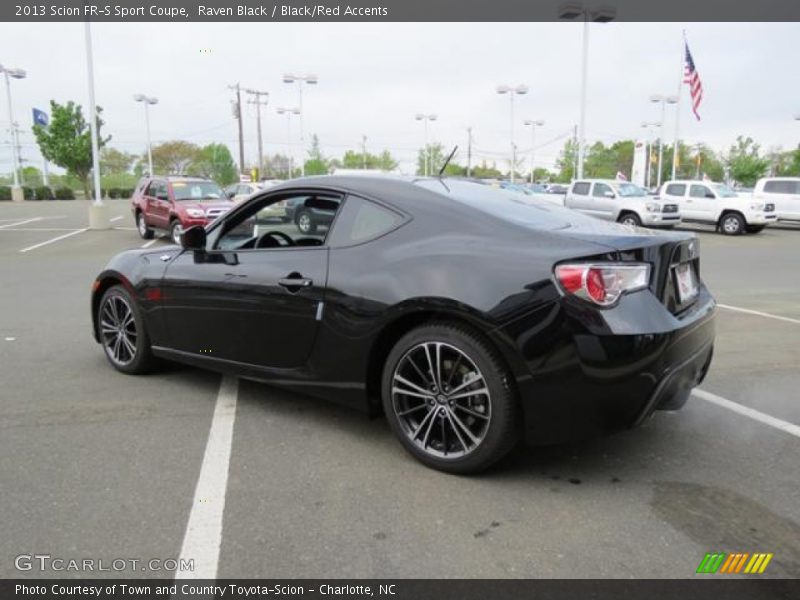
[587,384]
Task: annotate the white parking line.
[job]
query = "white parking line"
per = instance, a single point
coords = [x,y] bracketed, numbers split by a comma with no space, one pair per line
[756,415]
[40,229]
[204,530]
[21,222]
[55,239]
[759,313]
[115,219]
[150,243]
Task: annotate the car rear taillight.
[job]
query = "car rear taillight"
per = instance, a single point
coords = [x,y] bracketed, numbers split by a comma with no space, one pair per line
[601,284]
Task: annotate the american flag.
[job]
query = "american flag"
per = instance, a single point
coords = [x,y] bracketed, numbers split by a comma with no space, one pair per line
[692,78]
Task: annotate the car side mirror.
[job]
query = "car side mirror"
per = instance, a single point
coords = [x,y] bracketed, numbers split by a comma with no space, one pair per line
[710,195]
[231,194]
[194,238]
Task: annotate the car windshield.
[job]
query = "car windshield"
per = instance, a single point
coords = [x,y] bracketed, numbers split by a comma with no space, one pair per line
[723,191]
[504,204]
[196,190]
[630,190]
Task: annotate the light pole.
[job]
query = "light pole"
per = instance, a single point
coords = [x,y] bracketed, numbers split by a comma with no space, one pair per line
[259,103]
[300,80]
[426,151]
[520,90]
[533,125]
[649,125]
[16,190]
[663,100]
[98,212]
[364,152]
[569,12]
[147,100]
[289,112]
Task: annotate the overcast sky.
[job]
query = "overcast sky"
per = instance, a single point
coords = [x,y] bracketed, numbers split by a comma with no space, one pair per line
[373,78]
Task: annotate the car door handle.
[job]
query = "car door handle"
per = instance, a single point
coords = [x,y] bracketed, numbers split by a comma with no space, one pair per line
[295,283]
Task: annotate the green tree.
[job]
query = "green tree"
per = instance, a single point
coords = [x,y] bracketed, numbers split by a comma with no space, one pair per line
[784,164]
[358,160]
[276,166]
[214,161]
[173,158]
[484,171]
[436,156]
[566,162]
[706,162]
[115,161]
[745,163]
[316,164]
[31,176]
[67,141]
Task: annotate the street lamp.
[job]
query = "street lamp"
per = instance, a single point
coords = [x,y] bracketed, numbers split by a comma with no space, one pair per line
[649,125]
[520,90]
[147,100]
[533,125]
[16,191]
[663,100]
[426,155]
[300,80]
[289,112]
[569,12]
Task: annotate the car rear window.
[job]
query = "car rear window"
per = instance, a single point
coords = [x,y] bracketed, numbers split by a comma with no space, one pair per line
[782,187]
[581,188]
[676,189]
[509,206]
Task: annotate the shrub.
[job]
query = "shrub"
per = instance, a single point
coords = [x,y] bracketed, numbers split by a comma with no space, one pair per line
[126,192]
[28,193]
[64,193]
[44,192]
[5,192]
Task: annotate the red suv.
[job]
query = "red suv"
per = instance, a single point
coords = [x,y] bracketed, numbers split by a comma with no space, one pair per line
[174,203]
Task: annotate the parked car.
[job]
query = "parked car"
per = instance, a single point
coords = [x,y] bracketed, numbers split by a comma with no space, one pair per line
[783,192]
[469,318]
[303,212]
[242,191]
[557,188]
[173,204]
[621,201]
[717,204]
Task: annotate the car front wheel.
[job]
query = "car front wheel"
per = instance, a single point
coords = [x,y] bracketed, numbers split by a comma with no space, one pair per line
[122,332]
[142,228]
[305,223]
[175,232]
[447,397]
[732,224]
[630,219]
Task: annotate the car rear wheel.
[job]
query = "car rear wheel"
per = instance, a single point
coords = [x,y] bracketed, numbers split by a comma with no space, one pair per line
[175,232]
[142,228]
[732,224]
[305,223]
[630,219]
[122,332]
[446,395]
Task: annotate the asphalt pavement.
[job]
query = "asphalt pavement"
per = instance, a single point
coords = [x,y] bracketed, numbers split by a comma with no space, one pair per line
[95,464]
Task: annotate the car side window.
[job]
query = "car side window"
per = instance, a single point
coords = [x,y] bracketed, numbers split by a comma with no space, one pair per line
[362,220]
[281,221]
[600,190]
[581,188]
[158,189]
[782,187]
[700,191]
[676,189]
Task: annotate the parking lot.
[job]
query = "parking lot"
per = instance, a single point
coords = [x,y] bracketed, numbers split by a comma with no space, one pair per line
[97,464]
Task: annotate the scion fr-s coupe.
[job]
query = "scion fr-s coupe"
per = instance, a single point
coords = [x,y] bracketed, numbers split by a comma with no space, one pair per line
[469,318]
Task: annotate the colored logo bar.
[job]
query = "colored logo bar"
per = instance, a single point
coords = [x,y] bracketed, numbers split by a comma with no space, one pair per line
[734,562]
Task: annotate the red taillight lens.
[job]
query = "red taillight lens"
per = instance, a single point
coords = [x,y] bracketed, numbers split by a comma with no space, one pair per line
[602,284]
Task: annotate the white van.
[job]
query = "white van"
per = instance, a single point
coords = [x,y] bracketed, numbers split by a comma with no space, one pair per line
[621,201]
[717,204]
[783,192]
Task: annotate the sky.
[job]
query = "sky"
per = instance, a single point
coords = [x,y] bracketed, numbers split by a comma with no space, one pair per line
[374,79]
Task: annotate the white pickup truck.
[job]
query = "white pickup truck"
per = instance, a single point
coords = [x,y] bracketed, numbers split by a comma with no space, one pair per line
[783,192]
[622,202]
[717,204]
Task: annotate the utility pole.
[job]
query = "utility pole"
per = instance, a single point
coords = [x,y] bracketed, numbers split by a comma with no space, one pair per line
[237,114]
[574,144]
[469,151]
[364,152]
[259,103]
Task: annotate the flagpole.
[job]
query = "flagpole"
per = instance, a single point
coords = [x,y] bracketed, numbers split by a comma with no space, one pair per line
[675,149]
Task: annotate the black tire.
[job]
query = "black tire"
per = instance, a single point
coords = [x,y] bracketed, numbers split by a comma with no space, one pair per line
[491,437]
[175,231]
[109,316]
[755,228]
[305,222]
[732,224]
[142,227]
[631,219]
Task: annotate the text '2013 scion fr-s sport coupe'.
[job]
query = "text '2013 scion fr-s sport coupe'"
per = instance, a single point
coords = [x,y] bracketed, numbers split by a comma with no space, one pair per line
[472,317]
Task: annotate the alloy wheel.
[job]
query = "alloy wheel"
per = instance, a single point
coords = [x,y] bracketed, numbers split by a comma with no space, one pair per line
[177,231]
[731,225]
[441,400]
[118,330]
[304,223]
[142,225]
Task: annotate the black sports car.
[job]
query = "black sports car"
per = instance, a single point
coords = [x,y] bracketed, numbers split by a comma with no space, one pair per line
[471,316]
